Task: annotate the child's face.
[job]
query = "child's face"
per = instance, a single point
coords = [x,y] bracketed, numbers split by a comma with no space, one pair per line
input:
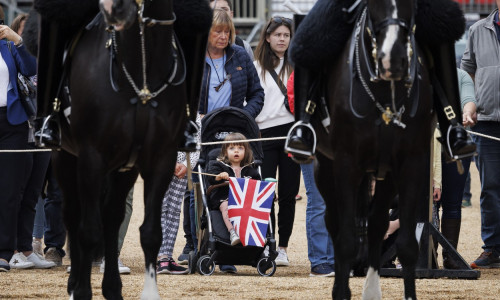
[235,153]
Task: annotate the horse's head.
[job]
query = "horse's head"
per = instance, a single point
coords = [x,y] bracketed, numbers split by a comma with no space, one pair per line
[119,13]
[390,23]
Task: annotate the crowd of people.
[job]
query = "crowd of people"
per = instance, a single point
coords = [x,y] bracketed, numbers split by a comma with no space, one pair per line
[261,83]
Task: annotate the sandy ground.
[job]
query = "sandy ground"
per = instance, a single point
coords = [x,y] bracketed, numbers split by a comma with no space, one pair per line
[291,282]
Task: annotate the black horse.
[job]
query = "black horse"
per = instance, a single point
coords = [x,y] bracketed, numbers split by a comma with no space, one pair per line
[128,101]
[379,95]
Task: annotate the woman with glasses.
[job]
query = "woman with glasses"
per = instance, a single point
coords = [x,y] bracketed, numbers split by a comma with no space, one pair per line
[229,78]
[275,120]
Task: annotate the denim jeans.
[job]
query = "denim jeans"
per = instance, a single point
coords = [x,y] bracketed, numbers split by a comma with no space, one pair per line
[319,243]
[488,165]
[39,226]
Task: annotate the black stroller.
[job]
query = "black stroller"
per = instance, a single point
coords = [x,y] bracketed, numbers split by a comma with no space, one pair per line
[214,246]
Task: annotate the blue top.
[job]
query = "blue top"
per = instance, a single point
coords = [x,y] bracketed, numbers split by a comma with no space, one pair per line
[246,91]
[21,58]
[222,97]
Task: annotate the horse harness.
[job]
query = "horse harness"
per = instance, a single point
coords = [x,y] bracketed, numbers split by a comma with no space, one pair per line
[144,95]
[389,115]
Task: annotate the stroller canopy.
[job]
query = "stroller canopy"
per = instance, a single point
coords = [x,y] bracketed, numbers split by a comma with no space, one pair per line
[222,121]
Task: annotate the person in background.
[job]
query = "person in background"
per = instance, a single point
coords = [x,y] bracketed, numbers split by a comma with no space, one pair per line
[319,243]
[171,210]
[229,78]
[482,62]
[453,181]
[235,160]
[17,213]
[188,207]
[39,162]
[227,6]
[275,120]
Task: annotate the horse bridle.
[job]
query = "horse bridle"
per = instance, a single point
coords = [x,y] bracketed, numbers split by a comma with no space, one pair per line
[145,94]
[373,29]
[364,24]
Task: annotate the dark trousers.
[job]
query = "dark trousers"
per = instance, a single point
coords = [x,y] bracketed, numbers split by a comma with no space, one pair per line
[36,168]
[453,189]
[12,175]
[186,222]
[275,159]
[55,231]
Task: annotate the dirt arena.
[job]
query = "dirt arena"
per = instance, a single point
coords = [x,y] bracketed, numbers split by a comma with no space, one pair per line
[291,282]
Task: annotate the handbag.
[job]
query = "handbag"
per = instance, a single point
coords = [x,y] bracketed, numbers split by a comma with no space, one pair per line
[27,92]
[282,88]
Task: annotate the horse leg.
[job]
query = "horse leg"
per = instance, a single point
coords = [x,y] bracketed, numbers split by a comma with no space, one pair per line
[378,221]
[118,186]
[90,177]
[339,218]
[410,192]
[155,187]
[64,166]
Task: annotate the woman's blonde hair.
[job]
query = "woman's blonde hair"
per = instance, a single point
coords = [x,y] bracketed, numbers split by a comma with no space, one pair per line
[236,136]
[223,19]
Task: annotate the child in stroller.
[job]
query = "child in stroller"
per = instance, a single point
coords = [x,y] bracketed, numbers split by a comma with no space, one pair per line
[235,160]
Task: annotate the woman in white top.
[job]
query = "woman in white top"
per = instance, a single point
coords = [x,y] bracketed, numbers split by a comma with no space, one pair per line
[274,121]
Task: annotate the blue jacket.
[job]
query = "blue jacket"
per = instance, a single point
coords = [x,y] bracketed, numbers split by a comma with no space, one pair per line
[27,66]
[245,82]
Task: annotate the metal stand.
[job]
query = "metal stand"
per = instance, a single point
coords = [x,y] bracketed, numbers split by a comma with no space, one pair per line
[427,234]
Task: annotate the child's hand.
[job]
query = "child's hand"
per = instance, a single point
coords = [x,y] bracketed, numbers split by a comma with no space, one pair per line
[222,176]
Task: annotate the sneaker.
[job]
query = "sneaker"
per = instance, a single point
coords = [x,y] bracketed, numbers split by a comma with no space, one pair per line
[487,259]
[39,261]
[235,239]
[169,266]
[122,269]
[227,269]
[298,197]
[322,270]
[282,259]
[466,203]
[183,259]
[4,266]
[37,246]
[53,256]
[19,261]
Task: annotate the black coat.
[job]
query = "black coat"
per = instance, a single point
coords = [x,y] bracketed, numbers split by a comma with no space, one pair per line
[221,193]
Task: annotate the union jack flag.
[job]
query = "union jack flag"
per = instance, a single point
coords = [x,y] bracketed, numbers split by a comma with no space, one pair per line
[249,206]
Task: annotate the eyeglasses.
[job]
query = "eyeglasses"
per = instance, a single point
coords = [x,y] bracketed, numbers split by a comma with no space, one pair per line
[281,20]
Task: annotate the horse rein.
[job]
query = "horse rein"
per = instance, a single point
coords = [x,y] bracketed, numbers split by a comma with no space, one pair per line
[144,94]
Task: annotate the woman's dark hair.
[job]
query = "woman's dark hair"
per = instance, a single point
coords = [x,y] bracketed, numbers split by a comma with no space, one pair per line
[266,56]
[236,136]
[16,23]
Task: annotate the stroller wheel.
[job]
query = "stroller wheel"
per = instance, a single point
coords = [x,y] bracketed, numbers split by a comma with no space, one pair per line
[204,267]
[266,267]
[192,262]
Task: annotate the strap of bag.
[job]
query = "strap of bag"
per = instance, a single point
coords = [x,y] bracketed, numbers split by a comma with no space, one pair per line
[282,88]
[279,83]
